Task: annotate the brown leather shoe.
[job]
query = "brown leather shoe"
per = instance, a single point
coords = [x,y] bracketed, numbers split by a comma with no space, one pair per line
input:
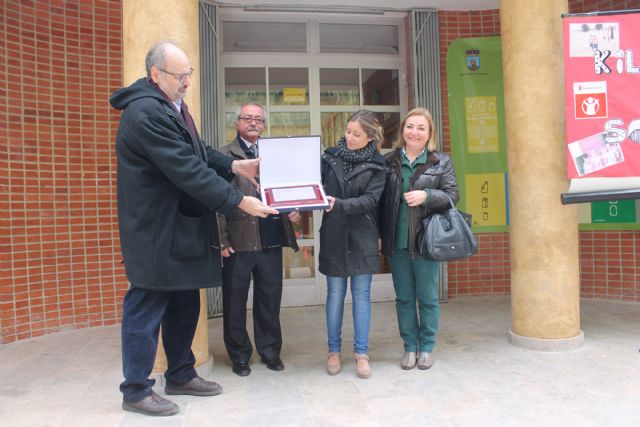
[154,405]
[195,387]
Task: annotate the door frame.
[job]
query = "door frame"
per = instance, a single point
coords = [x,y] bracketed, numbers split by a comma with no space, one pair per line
[301,292]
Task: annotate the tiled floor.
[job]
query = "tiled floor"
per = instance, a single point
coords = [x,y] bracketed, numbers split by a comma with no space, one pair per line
[479,379]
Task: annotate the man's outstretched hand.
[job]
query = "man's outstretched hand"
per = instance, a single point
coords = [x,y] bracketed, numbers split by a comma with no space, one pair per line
[255,207]
[247,168]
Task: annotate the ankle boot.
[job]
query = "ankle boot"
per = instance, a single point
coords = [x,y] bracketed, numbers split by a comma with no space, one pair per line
[425,361]
[333,364]
[363,369]
[408,360]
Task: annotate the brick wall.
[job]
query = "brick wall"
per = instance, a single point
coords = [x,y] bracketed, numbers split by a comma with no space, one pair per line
[60,261]
[609,260]
[582,6]
[487,272]
[609,265]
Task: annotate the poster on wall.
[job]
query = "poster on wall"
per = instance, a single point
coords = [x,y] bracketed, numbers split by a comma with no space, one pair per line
[477,132]
[602,83]
[602,89]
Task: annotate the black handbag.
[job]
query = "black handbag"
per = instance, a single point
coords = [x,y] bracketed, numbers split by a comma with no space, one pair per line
[447,236]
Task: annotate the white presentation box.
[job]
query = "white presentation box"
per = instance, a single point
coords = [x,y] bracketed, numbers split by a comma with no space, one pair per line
[290,178]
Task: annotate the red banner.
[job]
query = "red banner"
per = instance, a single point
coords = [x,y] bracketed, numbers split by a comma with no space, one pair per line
[602,89]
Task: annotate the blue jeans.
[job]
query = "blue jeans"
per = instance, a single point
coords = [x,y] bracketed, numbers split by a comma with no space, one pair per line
[361,297]
[143,312]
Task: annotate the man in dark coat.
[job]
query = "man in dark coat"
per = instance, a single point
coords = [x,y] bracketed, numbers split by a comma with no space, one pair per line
[252,249]
[170,186]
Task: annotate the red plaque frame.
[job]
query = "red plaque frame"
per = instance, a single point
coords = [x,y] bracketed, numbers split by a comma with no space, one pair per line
[290,173]
[317,200]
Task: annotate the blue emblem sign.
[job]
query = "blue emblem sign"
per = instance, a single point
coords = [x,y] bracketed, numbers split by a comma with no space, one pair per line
[473,59]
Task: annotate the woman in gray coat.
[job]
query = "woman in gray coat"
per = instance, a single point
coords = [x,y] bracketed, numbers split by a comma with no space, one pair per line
[353,176]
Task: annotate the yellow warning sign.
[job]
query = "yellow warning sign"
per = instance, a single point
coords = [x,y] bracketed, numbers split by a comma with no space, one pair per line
[295,95]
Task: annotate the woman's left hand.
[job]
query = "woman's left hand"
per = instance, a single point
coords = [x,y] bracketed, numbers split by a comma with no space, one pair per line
[415,198]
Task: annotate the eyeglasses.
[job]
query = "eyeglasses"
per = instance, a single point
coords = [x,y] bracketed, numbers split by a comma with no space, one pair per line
[179,76]
[259,120]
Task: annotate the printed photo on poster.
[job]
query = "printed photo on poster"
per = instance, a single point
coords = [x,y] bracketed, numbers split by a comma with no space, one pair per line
[586,37]
[593,153]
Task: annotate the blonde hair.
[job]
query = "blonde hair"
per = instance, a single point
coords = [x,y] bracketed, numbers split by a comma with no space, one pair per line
[432,143]
[370,125]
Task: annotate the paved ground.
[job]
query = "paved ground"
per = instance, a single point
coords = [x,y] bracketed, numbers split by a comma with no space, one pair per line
[479,379]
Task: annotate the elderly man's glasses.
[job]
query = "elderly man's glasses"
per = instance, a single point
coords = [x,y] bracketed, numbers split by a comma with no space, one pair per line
[179,76]
[248,119]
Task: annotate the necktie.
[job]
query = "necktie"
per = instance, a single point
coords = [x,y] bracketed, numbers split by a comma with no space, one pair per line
[254,150]
[191,126]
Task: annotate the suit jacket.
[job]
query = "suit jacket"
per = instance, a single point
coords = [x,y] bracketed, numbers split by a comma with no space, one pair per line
[240,230]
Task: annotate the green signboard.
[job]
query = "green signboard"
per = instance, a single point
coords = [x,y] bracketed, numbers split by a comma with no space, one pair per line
[477,129]
[614,211]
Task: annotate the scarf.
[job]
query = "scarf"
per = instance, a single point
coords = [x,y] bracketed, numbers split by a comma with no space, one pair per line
[198,145]
[351,157]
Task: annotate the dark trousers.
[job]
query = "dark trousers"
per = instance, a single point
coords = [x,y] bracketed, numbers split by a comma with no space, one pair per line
[416,280]
[266,268]
[143,312]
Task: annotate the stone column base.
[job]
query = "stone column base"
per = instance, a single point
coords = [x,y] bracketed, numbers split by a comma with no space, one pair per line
[204,371]
[540,344]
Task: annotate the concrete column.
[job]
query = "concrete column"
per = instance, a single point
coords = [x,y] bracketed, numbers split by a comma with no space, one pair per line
[146,22]
[545,280]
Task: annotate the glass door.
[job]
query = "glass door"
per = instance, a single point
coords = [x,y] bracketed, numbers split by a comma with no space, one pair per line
[309,85]
[284,93]
[345,90]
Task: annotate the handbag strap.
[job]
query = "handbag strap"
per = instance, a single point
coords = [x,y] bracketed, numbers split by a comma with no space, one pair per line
[450,201]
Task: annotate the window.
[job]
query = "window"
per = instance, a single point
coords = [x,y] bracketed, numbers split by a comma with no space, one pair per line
[288,86]
[340,90]
[358,38]
[264,36]
[244,85]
